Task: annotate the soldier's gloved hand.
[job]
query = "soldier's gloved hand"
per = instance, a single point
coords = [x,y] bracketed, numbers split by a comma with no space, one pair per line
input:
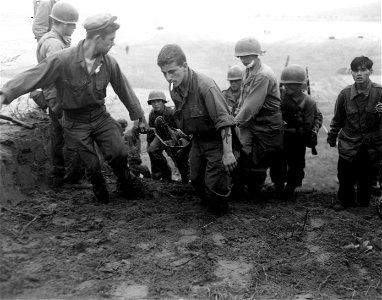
[332,141]
[378,108]
[311,139]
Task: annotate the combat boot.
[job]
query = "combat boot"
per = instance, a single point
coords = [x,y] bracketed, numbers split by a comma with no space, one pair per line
[101,193]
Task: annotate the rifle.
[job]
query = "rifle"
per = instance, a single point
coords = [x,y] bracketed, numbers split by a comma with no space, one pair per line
[314,150]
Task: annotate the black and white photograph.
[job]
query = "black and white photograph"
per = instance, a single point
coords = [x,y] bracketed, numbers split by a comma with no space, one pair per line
[190,150]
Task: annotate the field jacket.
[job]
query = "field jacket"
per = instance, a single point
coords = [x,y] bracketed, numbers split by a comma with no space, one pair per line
[77,89]
[202,109]
[356,122]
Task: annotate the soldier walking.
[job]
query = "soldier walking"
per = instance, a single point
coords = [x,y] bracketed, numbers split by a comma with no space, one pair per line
[81,75]
[201,110]
[259,119]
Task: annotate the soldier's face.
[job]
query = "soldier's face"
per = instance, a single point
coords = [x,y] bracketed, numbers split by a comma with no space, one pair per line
[69,29]
[235,84]
[157,105]
[248,59]
[104,44]
[361,75]
[174,73]
[292,88]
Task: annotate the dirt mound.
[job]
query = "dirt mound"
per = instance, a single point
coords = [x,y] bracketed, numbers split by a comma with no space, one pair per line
[164,245]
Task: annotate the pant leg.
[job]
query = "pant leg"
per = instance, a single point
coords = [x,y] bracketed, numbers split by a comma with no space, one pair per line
[79,136]
[108,138]
[57,145]
[159,165]
[197,169]
[347,179]
[365,173]
[181,159]
[295,150]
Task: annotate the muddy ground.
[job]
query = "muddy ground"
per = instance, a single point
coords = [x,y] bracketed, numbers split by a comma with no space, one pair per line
[59,244]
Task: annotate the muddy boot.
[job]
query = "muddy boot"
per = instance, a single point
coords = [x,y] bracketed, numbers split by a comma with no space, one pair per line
[289,192]
[279,190]
[56,181]
[101,193]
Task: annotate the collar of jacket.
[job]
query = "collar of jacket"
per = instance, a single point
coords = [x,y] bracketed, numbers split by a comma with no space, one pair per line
[65,39]
[354,92]
[250,72]
[80,57]
[190,79]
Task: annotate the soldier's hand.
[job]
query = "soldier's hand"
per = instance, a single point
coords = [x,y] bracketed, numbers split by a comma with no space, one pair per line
[229,162]
[142,125]
[378,107]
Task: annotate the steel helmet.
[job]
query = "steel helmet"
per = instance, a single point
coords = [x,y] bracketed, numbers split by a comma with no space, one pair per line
[293,74]
[235,73]
[64,12]
[156,95]
[247,46]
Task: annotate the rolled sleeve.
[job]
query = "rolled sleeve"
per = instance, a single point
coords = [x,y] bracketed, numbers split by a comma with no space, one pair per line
[218,109]
[40,76]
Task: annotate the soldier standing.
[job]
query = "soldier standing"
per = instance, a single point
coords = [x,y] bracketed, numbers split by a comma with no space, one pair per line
[232,94]
[357,122]
[81,75]
[259,118]
[41,20]
[201,110]
[302,120]
[66,161]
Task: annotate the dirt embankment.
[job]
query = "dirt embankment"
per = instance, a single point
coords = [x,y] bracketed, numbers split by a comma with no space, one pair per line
[164,245]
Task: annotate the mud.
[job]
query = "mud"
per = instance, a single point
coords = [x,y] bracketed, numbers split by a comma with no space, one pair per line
[60,244]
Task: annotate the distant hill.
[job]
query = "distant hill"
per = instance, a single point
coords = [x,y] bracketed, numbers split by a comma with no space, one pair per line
[367,12]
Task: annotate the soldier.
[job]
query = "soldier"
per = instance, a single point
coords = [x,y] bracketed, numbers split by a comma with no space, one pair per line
[358,126]
[64,18]
[159,166]
[259,118]
[201,110]
[133,143]
[302,120]
[155,147]
[232,94]
[81,75]
[41,21]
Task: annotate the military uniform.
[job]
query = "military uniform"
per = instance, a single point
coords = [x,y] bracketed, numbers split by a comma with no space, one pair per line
[232,99]
[202,111]
[359,129]
[302,120]
[260,124]
[155,148]
[41,21]
[81,95]
[62,156]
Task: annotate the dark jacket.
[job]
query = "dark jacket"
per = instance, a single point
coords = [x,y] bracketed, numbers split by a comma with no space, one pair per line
[356,122]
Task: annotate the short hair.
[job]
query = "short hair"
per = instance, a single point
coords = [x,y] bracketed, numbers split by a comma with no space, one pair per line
[361,61]
[113,27]
[171,53]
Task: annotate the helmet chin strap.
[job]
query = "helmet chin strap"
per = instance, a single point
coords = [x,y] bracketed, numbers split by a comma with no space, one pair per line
[250,65]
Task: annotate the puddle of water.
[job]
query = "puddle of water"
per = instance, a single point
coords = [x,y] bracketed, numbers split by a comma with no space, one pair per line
[234,273]
[317,222]
[129,292]
[218,239]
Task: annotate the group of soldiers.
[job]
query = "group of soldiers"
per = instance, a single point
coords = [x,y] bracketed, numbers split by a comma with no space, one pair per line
[223,142]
